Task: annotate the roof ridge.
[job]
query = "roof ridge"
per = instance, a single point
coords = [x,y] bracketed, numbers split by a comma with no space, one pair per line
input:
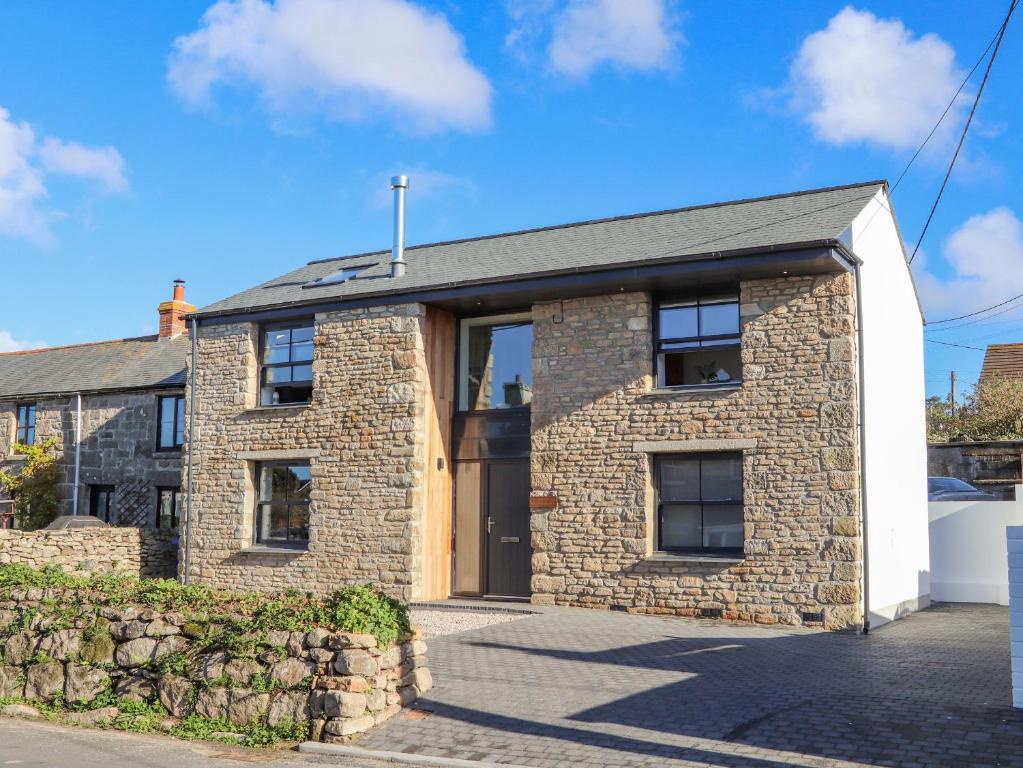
[607,219]
[75,346]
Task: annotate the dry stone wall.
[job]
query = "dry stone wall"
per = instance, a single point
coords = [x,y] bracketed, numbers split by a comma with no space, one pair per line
[146,553]
[339,683]
[363,434]
[118,448]
[594,401]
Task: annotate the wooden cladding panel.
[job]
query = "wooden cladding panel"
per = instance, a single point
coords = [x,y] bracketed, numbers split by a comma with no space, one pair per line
[439,345]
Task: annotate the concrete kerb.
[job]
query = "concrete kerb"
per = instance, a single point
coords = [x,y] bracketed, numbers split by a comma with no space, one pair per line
[343,750]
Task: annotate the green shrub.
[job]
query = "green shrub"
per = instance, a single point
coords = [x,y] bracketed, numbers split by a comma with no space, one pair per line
[235,621]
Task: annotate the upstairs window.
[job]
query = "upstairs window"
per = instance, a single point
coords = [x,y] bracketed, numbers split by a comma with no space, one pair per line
[170,425]
[286,373]
[282,506]
[698,341]
[26,432]
[496,362]
[700,503]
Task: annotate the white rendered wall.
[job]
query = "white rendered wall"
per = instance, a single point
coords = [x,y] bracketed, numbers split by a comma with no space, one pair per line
[968,558]
[893,421]
[1015,547]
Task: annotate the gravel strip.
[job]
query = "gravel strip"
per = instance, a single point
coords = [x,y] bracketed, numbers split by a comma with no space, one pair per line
[435,623]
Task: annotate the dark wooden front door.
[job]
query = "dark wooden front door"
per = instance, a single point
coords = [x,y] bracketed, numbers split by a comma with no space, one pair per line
[506,527]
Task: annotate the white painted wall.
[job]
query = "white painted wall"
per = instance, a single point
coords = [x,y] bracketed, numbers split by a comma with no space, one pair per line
[968,559]
[1014,538]
[893,419]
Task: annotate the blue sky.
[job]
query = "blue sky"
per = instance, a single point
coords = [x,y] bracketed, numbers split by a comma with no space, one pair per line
[145,142]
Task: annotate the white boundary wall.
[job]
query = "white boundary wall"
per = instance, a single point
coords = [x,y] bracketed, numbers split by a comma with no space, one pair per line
[894,428]
[968,554]
[1014,535]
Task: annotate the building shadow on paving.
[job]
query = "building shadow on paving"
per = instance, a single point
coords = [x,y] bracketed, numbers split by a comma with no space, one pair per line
[934,688]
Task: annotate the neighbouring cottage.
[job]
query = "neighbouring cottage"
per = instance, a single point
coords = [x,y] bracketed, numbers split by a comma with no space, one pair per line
[714,410]
[117,410]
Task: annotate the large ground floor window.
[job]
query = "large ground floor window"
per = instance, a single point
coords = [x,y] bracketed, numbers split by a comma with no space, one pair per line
[700,503]
[282,506]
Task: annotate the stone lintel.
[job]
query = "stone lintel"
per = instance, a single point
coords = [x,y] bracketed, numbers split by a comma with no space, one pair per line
[698,444]
[298,453]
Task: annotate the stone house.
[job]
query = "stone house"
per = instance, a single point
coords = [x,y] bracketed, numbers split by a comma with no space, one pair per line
[117,409]
[714,410]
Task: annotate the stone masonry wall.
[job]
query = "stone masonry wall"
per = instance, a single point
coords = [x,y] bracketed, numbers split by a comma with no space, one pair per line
[118,449]
[339,683]
[146,553]
[363,434]
[593,401]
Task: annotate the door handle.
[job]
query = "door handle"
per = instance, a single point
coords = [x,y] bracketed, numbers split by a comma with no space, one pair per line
[490,524]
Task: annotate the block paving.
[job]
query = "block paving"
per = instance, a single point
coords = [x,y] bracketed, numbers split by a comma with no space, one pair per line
[576,688]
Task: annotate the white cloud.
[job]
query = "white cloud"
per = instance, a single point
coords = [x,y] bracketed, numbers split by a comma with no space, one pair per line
[983,258]
[103,164]
[25,163]
[865,79]
[9,344]
[631,34]
[347,59]
[583,35]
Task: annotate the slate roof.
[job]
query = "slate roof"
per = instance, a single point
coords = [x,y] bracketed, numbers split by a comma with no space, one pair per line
[139,363]
[1004,360]
[681,234]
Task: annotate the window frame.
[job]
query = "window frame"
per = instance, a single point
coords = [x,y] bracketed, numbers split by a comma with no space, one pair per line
[175,491]
[258,467]
[721,552]
[94,491]
[264,329]
[524,317]
[20,428]
[179,412]
[708,298]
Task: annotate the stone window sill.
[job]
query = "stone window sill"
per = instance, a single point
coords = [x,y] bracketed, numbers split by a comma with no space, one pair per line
[262,549]
[16,457]
[694,389]
[670,557]
[277,408]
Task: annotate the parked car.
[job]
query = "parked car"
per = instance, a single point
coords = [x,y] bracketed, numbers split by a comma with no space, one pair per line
[67,522]
[954,489]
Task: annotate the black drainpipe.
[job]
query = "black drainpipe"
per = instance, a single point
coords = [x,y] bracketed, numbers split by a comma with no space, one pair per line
[863,454]
[191,444]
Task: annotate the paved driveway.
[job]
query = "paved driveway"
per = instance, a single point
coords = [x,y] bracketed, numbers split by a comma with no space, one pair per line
[573,688]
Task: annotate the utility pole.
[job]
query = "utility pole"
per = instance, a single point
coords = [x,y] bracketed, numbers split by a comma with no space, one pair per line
[952,396]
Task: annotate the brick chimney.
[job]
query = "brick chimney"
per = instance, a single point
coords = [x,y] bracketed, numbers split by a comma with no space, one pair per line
[172,313]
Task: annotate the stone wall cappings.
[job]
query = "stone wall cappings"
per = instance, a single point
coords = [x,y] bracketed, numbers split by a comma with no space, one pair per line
[366,427]
[340,683]
[118,448]
[594,400]
[146,553]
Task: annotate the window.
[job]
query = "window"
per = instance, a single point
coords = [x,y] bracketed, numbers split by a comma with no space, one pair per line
[496,362]
[699,503]
[26,432]
[698,342]
[170,424]
[282,506]
[286,377]
[101,503]
[168,507]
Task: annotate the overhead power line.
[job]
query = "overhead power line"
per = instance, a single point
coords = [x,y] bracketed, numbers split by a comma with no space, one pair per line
[950,344]
[978,312]
[966,128]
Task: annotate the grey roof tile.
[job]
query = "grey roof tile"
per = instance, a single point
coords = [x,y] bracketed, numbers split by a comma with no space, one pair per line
[681,234]
[138,363]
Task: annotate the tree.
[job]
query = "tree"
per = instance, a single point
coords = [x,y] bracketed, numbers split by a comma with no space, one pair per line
[34,486]
[992,410]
